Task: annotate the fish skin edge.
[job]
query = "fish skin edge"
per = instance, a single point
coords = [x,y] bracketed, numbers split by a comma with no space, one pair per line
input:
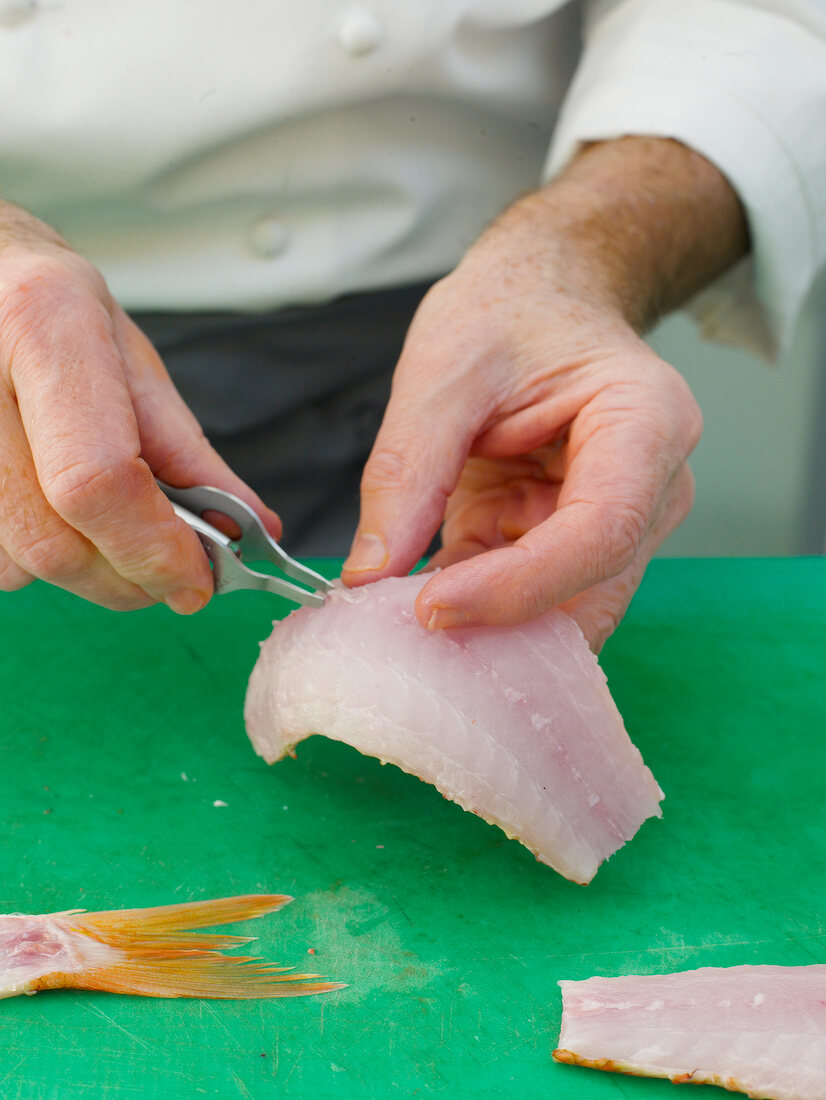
[695,1077]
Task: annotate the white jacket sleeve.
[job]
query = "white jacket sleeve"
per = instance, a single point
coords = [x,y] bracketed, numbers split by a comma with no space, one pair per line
[743,82]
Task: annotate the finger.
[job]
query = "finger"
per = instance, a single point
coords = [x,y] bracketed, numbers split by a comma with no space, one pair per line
[460,550]
[12,577]
[426,434]
[600,609]
[475,528]
[615,486]
[77,412]
[405,485]
[479,519]
[172,441]
[36,542]
[497,502]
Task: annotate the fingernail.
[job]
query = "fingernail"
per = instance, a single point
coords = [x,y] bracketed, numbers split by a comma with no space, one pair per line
[186,601]
[368,554]
[441,618]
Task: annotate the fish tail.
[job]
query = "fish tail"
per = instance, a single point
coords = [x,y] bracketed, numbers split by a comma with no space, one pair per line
[157,922]
[195,974]
[148,952]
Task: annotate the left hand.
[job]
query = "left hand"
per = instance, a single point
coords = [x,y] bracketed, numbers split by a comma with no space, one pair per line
[550,439]
[527,412]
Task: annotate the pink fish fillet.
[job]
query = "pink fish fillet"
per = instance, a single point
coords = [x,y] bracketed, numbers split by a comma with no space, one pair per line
[516,724]
[760,1030]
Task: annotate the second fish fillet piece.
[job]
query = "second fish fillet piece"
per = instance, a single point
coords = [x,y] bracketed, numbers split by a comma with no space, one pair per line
[515,724]
[760,1030]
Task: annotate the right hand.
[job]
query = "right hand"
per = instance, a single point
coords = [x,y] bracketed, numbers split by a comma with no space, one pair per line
[88,418]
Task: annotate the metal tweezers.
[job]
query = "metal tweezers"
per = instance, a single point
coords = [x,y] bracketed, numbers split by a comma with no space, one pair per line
[229,573]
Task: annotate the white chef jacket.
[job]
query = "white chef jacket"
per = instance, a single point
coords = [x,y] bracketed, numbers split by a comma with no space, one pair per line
[255,154]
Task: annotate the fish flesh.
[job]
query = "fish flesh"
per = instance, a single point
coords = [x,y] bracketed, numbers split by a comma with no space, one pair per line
[760,1030]
[145,951]
[515,724]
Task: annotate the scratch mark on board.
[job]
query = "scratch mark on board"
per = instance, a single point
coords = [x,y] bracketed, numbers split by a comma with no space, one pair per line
[13,1069]
[218,1017]
[400,909]
[292,1068]
[120,1027]
[70,1040]
[242,1088]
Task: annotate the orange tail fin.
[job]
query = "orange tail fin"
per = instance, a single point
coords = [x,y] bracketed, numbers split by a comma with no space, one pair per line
[152,956]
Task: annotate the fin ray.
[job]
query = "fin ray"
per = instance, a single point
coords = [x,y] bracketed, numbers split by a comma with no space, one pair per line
[215,976]
[160,920]
[149,952]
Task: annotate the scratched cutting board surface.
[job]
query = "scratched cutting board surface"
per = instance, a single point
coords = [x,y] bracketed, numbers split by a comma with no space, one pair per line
[121,732]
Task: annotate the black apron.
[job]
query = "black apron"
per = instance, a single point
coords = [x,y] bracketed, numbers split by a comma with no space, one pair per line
[292,399]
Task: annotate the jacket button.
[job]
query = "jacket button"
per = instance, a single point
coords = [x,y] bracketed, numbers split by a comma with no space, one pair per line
[268,237]
[359,32]
[13,12]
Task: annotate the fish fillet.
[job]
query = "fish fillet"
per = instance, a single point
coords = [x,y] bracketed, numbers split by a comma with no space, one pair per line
[760,1030]
[516,724]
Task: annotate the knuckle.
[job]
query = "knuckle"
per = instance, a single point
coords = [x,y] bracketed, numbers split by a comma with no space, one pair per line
[688,415]
[58,557]
[83,491]
[387,469]
[36,297]
[603,620]
[106,503]
[21,314]
[692,419]
[624,526]
[694,423]
[601,609]
[684,491]
[161,560]
[35,281]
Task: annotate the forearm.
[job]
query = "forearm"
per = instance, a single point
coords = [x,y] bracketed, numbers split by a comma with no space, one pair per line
[637,224]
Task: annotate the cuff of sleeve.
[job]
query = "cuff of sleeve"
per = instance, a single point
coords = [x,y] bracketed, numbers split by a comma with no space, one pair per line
[628,84]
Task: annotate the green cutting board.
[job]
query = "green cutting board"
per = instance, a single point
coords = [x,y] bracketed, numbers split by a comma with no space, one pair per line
[120,733]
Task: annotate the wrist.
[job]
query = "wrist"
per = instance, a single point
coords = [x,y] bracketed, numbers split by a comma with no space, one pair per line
[633,228]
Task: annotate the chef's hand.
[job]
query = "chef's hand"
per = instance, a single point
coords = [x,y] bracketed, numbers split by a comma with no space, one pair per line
[88,415]
[528,414]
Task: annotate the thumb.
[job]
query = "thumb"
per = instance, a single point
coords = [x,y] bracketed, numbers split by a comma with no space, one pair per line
[413,468]
[172,441]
